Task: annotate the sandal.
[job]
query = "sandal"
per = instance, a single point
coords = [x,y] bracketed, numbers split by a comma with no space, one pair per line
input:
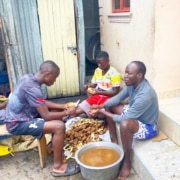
[122,178]
[70,170]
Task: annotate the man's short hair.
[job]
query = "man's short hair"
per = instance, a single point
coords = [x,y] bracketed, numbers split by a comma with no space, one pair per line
[49,65]
[141,67]
[102,54]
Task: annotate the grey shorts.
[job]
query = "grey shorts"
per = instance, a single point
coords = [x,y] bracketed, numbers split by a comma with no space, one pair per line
[33,127]
[146,131]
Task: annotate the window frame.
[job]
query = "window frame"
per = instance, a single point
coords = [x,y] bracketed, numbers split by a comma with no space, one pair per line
[122,8]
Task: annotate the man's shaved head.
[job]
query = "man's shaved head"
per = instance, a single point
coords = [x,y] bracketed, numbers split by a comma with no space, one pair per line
[48,66]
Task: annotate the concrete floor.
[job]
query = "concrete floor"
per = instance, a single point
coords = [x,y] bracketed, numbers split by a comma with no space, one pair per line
[25,165]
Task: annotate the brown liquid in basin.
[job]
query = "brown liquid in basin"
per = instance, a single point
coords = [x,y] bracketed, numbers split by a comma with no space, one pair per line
[99,156]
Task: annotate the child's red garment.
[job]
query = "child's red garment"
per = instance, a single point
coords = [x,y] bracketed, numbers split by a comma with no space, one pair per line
[96,99]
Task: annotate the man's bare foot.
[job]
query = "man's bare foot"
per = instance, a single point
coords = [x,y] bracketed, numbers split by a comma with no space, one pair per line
[124,171]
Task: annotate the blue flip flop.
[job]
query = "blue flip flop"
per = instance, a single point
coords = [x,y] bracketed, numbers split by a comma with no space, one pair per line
[70,170]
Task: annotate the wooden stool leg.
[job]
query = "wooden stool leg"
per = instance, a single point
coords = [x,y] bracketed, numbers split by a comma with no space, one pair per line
[42,150]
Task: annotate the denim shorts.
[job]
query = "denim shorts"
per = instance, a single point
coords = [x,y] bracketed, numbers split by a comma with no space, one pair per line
[146,131]
[33,127]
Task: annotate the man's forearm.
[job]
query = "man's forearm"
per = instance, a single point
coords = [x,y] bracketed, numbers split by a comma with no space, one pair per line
[106,113]
[52,105]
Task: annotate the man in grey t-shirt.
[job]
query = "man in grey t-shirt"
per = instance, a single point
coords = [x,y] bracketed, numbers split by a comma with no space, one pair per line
[139,119]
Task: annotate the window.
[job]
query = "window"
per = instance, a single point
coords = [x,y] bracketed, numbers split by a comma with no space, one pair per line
[120,11]
[120,6]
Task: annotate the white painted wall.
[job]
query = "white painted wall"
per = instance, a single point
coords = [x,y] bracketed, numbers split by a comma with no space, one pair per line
[167,47]
[151,35]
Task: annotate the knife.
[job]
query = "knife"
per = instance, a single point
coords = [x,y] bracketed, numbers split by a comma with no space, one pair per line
[77,102]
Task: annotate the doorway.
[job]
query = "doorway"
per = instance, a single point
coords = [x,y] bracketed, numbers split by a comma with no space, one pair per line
[92,35]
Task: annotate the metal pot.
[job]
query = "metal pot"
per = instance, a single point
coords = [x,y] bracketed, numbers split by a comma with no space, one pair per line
[109,172]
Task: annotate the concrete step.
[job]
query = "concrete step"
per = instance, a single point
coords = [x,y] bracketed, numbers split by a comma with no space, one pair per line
[156,160]
[160,160]
[169,118]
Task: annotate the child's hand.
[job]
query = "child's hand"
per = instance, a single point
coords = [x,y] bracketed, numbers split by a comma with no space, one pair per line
[91,90]
[85,88]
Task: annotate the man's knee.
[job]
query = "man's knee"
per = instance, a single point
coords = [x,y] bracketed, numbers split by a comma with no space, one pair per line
[59,125]
[124,124]
[131,125]
[54,126]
